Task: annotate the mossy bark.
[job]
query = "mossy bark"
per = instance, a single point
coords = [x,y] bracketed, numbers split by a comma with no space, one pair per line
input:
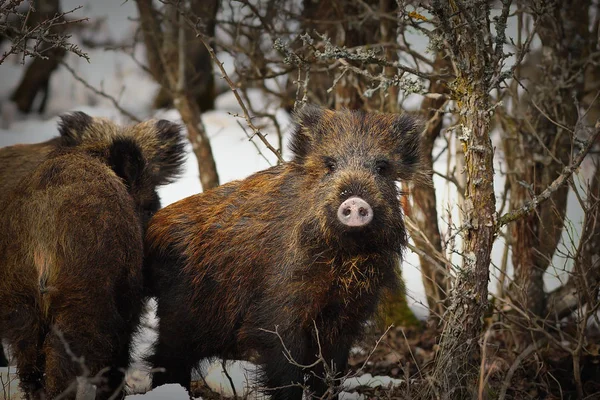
[465,27]
[394,310]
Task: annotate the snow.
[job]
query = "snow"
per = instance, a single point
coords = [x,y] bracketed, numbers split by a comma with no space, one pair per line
[242,374]
[176,391]
[165,392]
[371,381]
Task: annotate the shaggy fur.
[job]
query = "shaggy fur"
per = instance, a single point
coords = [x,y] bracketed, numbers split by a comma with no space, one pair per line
[236,263]
[71,251]
[163,151]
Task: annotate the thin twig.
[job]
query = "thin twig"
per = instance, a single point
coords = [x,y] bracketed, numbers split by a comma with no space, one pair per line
[225,76]
[531,205]
[524,354]
[374,348]
[235,396]
[100,93]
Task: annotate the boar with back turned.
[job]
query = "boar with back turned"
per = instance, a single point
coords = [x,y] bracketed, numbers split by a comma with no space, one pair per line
[304,249]
[71,251]
[18,160]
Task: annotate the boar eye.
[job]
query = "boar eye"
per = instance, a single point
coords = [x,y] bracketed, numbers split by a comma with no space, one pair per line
[382,167]
[330,164]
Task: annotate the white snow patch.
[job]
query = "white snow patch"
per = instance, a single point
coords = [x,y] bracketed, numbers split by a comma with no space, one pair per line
[351,396]
[242,374]
[171,391]
[371,381]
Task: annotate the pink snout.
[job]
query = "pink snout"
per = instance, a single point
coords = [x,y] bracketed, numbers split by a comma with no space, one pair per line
[355,212]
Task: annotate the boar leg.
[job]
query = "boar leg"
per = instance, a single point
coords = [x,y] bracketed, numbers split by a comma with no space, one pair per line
[336,356]
[93,332]
[284,379]
[25,338]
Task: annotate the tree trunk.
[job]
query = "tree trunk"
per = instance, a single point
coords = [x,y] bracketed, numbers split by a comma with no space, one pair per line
[312,11]
[168,44]
[424,211]
[458,347]
[37,76]
[345,24]
[199,78]
[350,33]
[153,40]
[582,286]
[387,34]
[542,150]
[190,114]
[457,362]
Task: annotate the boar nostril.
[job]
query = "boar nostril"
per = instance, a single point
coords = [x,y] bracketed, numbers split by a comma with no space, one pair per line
[355,212]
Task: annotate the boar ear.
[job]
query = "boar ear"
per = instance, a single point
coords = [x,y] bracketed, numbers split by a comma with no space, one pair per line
[73,126]
[126,159]
[406,131]
[308,120]
[165,152]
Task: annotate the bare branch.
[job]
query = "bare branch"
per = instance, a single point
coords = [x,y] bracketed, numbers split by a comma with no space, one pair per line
[524,354]
[554,186]
[100,93]
[225,76]
[48,34]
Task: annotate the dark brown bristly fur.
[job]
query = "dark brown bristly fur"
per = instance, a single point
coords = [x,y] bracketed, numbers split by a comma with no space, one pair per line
[161,146]
[268,253]
[71,249]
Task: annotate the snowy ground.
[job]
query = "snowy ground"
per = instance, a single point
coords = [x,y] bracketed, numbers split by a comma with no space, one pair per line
[235,156]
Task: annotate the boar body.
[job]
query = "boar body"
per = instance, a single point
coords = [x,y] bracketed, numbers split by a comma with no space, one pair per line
[285,266]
